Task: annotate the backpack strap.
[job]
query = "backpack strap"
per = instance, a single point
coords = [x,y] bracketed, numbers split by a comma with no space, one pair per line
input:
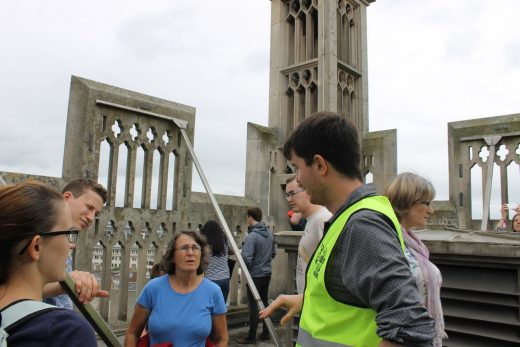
[23,311]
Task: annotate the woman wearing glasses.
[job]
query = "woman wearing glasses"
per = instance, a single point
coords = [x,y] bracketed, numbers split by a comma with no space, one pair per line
[411,196]
[182,306]
[35,239]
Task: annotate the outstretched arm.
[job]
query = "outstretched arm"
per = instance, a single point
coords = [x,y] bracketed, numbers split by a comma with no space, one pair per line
[293,303]
[86,286]
[502,223]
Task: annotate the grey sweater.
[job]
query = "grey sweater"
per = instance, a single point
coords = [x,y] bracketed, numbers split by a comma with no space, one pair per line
[258,250]
[368,269]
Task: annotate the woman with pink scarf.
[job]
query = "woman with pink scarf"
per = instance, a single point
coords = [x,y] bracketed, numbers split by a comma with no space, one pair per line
[411,196]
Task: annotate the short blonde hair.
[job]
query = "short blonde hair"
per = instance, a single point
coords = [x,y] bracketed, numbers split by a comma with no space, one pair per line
[406,190]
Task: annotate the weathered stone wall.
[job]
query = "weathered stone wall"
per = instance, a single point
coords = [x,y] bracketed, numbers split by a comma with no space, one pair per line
[485,144]
[481,281]
[15,177]
[379,157]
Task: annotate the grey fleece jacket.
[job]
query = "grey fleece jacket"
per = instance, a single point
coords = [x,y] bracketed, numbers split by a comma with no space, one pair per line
[258,250]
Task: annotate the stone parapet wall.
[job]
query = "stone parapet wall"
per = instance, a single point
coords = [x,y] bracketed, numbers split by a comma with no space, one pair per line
[481,285]
[480,147]
[14,177]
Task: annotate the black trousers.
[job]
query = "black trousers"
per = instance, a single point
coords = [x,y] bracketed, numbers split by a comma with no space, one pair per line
[262,285]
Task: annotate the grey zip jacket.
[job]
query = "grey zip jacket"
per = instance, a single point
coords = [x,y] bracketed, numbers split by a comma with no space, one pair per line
[258,250]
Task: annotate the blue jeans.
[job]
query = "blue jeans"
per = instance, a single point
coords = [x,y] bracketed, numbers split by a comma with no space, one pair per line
[224,287]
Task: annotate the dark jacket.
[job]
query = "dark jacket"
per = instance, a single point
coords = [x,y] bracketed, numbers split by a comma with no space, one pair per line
[54,328]
[258,250]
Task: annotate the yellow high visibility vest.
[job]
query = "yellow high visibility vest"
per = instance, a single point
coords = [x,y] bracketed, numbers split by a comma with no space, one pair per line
[324,321]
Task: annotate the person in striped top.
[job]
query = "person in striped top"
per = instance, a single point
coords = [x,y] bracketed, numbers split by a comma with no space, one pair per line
[217,270]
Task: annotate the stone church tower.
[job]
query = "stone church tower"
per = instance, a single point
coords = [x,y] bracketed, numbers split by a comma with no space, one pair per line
[318,63]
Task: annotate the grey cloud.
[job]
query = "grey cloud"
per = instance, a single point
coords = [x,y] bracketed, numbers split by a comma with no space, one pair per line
[151,35]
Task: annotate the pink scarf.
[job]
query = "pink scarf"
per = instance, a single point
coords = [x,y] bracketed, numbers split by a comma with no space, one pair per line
[433,304]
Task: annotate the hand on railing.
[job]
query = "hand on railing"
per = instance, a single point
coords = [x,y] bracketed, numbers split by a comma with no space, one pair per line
[87,286]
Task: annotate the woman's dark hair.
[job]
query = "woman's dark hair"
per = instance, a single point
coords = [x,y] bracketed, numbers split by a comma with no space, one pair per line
[157,270]
[25,210]
[215,237]
[168,258]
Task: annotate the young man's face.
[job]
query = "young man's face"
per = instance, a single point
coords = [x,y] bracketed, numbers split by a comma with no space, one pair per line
[296,196]
[308,178]
[84,208]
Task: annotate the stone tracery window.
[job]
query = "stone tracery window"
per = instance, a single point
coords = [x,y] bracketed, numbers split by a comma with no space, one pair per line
[347,97]
[348,45]
[136,167]
[301,30]
[301,95]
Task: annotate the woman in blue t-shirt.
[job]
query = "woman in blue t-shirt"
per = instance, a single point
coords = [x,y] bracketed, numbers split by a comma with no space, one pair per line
[36,236]
[182,306]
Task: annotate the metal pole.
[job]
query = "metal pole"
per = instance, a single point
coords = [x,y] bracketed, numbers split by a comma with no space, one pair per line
[182,125]
[91,315]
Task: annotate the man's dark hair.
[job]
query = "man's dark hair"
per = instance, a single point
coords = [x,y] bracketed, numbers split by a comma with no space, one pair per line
[330,135]
[255,213]
[79,186]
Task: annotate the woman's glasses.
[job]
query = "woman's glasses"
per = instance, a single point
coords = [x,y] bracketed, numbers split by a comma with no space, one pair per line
[72,236]
[184,249]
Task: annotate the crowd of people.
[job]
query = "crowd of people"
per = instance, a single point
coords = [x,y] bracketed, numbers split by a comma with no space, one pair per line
[363,277]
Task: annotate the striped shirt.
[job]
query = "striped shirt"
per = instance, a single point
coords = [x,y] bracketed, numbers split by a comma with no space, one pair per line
[218,266]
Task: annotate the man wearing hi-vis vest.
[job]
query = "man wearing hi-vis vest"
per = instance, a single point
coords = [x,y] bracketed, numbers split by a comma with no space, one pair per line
[359,289]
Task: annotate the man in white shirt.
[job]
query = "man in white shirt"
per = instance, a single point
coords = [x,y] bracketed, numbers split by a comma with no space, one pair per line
[85,198]
[316,215]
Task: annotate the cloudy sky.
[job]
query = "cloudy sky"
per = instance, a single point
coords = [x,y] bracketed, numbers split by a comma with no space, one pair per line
[430,62]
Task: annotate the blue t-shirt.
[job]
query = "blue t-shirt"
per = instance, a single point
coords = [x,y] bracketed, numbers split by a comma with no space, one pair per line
[183,319]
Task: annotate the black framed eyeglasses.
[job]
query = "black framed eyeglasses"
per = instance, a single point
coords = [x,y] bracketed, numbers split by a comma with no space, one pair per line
[293,193]
[72,237]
